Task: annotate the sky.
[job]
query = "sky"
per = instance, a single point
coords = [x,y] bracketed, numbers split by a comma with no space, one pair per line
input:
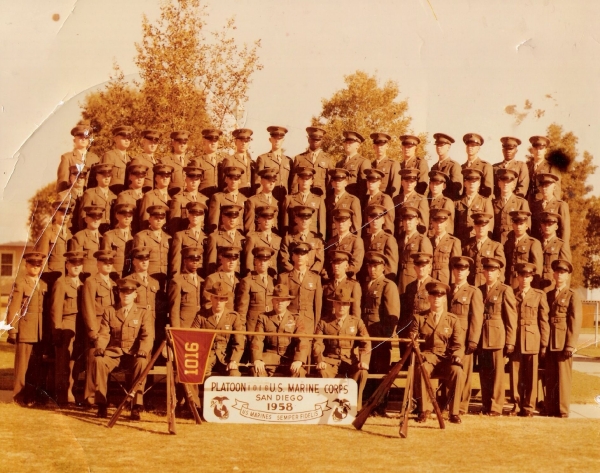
[459,64]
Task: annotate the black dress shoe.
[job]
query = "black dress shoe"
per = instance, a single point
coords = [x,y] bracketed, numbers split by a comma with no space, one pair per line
[102,411]
[455,419]
[135,412]
[423,416]
[494,414]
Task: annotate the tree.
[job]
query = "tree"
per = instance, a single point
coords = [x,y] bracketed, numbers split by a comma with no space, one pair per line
[365,107]
[40,210]
[189,79]
[591,268]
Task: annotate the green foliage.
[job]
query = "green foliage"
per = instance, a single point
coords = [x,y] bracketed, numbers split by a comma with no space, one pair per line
[365,107]
[40,210]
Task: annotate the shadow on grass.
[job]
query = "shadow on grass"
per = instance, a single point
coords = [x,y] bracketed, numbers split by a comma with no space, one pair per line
[89,417]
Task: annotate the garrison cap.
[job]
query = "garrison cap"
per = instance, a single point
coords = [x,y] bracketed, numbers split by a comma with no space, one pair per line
[305,171]
[196,206]
[230,210]
[380,209]
[266,211]
[409,172]
[547,216]
[519,215]
[102,168]
[562,264]
[281,291]
[433,287]
[377,173]
[543,177]
[230,171]
[191,252]
[242,133]
[481,218]
[410,140]
[158,210]
[228,251]
[421,257]
[315,132]
[528,268]
[119,129]
[220,290]
[82,127]
[140,251]
[353,135]
[338,255]
[124,207]
[341,294]
[301,248]
[104,255]
[505,172]
[473,138]
[151,133]
[534,140]
[510,140]
[160,167]
[34,256]
[277,130]
[342,213]
[134,167]
[179,135]
[410,211]
[339,172]
[211,133]
[375,257]
[74,256]
[267,173]
[263,252]
[493,262]
[93,209]
[302,211]
[470,172]
[436,213]
[443,138]
[436,175]
[461,260]
[378,136]
[127,284]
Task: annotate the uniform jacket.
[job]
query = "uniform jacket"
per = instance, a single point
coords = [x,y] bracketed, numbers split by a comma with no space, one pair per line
[217,201]
[259,239]
[487,182]
[342,349]
[178,216]
[502,219]
[115,240]
[463,223]
[153,197]
[354,245]
[529,250]
[313,201]
[442,340]
[380,306]
[466,303]
[122,334]
[147,293]
[308,294]
[269,160]
[355,292]
[96,197]
[533,329]
[177,177]
[416,201]
[391,182]
[253,297]
[149,161]
[553,249]
[54,242]
[321,163]
[64,302]
[184,299]
[489,249]
[520,168]
[414,301]
[565,318]
[226,347]
[216,240]
[250,206]
[96,296]
[443,252]
[86,241]
[380,199]
[417,243]
[356,166]
[132,197]
[558,206]
[72,158]
[212,180]
[545,168]
[119,160]
[28,301]
[223,278]
[240,161]
[295,349]
[181,240]
[384,243]
[159,250]
[453,188]
[442,202]
[500,317]
[419,163]
[346,201]
[316,257]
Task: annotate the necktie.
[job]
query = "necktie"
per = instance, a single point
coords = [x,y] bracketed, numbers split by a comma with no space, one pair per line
[340,323]
[194,279]
[231,236]
[125,235]
[138,194]
[231,279]
[125,312]
[437,319]
[335,284]
[196,235]
[234,197]
[264,279]
[304,196]
[217,318]
[300,276]
[268,238]
[478,245]
[468,164]
[373,237]
[437,241]
[302,237]
[158,236]
[279,159]
[544,203]
[181,160]
[269,199]
[337,198]
[145,279]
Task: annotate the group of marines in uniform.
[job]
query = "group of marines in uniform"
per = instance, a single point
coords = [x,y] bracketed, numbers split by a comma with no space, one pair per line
[472,258]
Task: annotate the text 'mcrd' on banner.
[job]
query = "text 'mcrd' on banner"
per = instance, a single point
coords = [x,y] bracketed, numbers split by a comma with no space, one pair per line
[191,349]
[280,400]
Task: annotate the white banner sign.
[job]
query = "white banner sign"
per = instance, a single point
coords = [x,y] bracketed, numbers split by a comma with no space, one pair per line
[280,400]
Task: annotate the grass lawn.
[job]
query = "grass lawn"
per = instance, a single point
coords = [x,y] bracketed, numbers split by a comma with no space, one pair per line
[593,351]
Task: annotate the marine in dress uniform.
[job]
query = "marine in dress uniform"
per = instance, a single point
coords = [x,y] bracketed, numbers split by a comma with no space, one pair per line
[304,285]
[241,159]
[264,198]
[354,163]
[302,234]
[227,237]
[375,239]
[445,246]
[275,159]
[509,151]
[263,237]
[223,200]
[177,159]
[71,196]
[340,199]
[80,157]
[532,338]
[192,237]
[306,198]
[474,142]
[375,196]
[314,157]
[99,196]
[466,303]
[390,182]
[539,164]
[410,241]
[225,275]
[436,199]
[125,339]
[442,351]
[188,194]
[253,293]
[380,310]
[506,202]
[565,324]
[409,197]
[481,246]
[89,240]
[521,248]
[120,239]
[54,242]
[499,336]
[448,166]
[284,356]
[134,194]
[27,309]
[347,241]
[184,290]
[157,196]
[158,241]
[553,248]
[548,203]
[343,358]
[118,157]
[150,141]
[472,202]
[410,160]
[65,314]
[211,163]
[339,260]
[415,299]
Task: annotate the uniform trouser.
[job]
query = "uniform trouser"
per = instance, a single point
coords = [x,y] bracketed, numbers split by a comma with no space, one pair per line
[442,369]
[28,364]
[491,373]
[381,354]
[104,365]
[524,380]
[342,369]
[274,366]
[465,399]
[64,364]
[214,365]
[559,372]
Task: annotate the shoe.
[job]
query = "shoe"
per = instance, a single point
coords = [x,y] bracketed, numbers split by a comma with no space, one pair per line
[135,412]
[562,416]
[461,413]
[494,414]
[455,419]
[526,414]
[513,412]
[102,411]
[423,416]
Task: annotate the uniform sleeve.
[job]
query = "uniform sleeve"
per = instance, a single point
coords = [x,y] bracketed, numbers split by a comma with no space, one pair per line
[175,254]
[318,300]
[104,332]
[260,165]
[395,184]
[56,304]
[319,345]
[475,316]
[391,252]
[15,306]
[248,263]
[317,266]
[423,176]
[242,298]
[455,345]
[174,214]
[522,181]
[489,209]
[509,314]
[284,256]
[358,254]
[238,340]
[391,304]
[357,296]
[210,260]
[574,320]
[426,246]
[88,305]
[322,222]
[175,303]
[456,181]
[285,214]
[205,301]
[257,341]
[356,218]
[543,322]
[146,333]
[248,216]
[302,345]
[424,209]
[487,186]
[62,174]
[364,346]
[565,226]
[214,212]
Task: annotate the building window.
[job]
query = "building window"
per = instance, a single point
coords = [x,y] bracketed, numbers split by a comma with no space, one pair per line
[6,264]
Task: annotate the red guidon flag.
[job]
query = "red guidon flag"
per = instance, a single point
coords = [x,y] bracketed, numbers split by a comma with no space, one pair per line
[191,349]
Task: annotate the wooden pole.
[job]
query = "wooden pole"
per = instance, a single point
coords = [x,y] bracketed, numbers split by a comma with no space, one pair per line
[430,391]
[408,392]
[171,399]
